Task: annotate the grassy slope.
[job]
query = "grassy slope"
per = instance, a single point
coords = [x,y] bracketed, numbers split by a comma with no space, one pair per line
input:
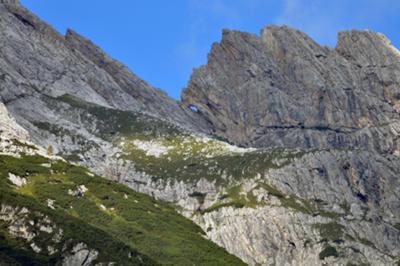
[131,221]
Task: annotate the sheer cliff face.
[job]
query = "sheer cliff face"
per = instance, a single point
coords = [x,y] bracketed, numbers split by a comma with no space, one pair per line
[283,89]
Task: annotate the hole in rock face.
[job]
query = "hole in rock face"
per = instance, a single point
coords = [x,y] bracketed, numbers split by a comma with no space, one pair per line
[363,198]
[194,108]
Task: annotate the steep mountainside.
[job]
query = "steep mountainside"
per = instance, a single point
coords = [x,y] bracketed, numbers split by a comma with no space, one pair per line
[315,180]
[38,61]
[56,213]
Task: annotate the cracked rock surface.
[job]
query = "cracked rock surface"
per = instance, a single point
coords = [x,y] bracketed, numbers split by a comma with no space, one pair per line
[283,89]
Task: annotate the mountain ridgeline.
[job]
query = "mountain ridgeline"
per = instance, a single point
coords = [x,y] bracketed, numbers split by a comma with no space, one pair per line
[281,152]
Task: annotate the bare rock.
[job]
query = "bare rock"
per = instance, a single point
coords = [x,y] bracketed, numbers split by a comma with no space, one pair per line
[80,255]
[283,89]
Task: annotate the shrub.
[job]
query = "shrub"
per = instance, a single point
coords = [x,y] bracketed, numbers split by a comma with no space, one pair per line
[328,251]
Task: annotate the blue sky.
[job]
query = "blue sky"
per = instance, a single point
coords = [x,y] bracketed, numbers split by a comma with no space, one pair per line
[163,40]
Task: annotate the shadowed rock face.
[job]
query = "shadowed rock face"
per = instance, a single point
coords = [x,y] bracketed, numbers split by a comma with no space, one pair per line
[283,89]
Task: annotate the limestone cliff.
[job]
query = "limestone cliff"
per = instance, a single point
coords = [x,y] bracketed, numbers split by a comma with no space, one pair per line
[283,89]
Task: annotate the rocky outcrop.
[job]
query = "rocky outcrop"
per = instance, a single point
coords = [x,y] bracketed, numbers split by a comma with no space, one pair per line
[9,129]
[30,226]
[283,89]
[344,205]
[80,255]
[14,140]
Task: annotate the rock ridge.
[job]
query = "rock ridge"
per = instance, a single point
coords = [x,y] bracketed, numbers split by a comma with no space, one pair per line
[251,84]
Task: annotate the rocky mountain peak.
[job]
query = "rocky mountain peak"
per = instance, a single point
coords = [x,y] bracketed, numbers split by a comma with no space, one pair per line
[281,86]
[285,44]
[367,48]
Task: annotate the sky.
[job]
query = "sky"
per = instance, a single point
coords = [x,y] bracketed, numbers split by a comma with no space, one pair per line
[161,41]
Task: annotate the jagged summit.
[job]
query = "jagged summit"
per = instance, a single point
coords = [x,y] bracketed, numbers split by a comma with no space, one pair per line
[353,44]
[283,89]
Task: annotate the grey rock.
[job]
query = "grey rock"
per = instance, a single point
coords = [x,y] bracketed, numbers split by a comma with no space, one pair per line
[283,89]
[80,254]
[9,127]
[71,65]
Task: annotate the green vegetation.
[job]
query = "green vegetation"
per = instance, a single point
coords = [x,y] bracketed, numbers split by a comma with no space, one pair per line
[109,218]
[50,150]
[361,264]
[328,251]
[111,122]
[330,231]
[23,145]
[237,198]
[199,196]
[54,129]
[234,198]
[190,159]
[310,207]
[73,156]
[366,242]
[397,226]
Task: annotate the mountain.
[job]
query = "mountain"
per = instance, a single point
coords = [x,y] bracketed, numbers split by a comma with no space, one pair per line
[283,152]
[283,89]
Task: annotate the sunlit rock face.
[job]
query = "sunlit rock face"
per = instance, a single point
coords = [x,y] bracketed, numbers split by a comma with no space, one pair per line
[283,89]
[310,174]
